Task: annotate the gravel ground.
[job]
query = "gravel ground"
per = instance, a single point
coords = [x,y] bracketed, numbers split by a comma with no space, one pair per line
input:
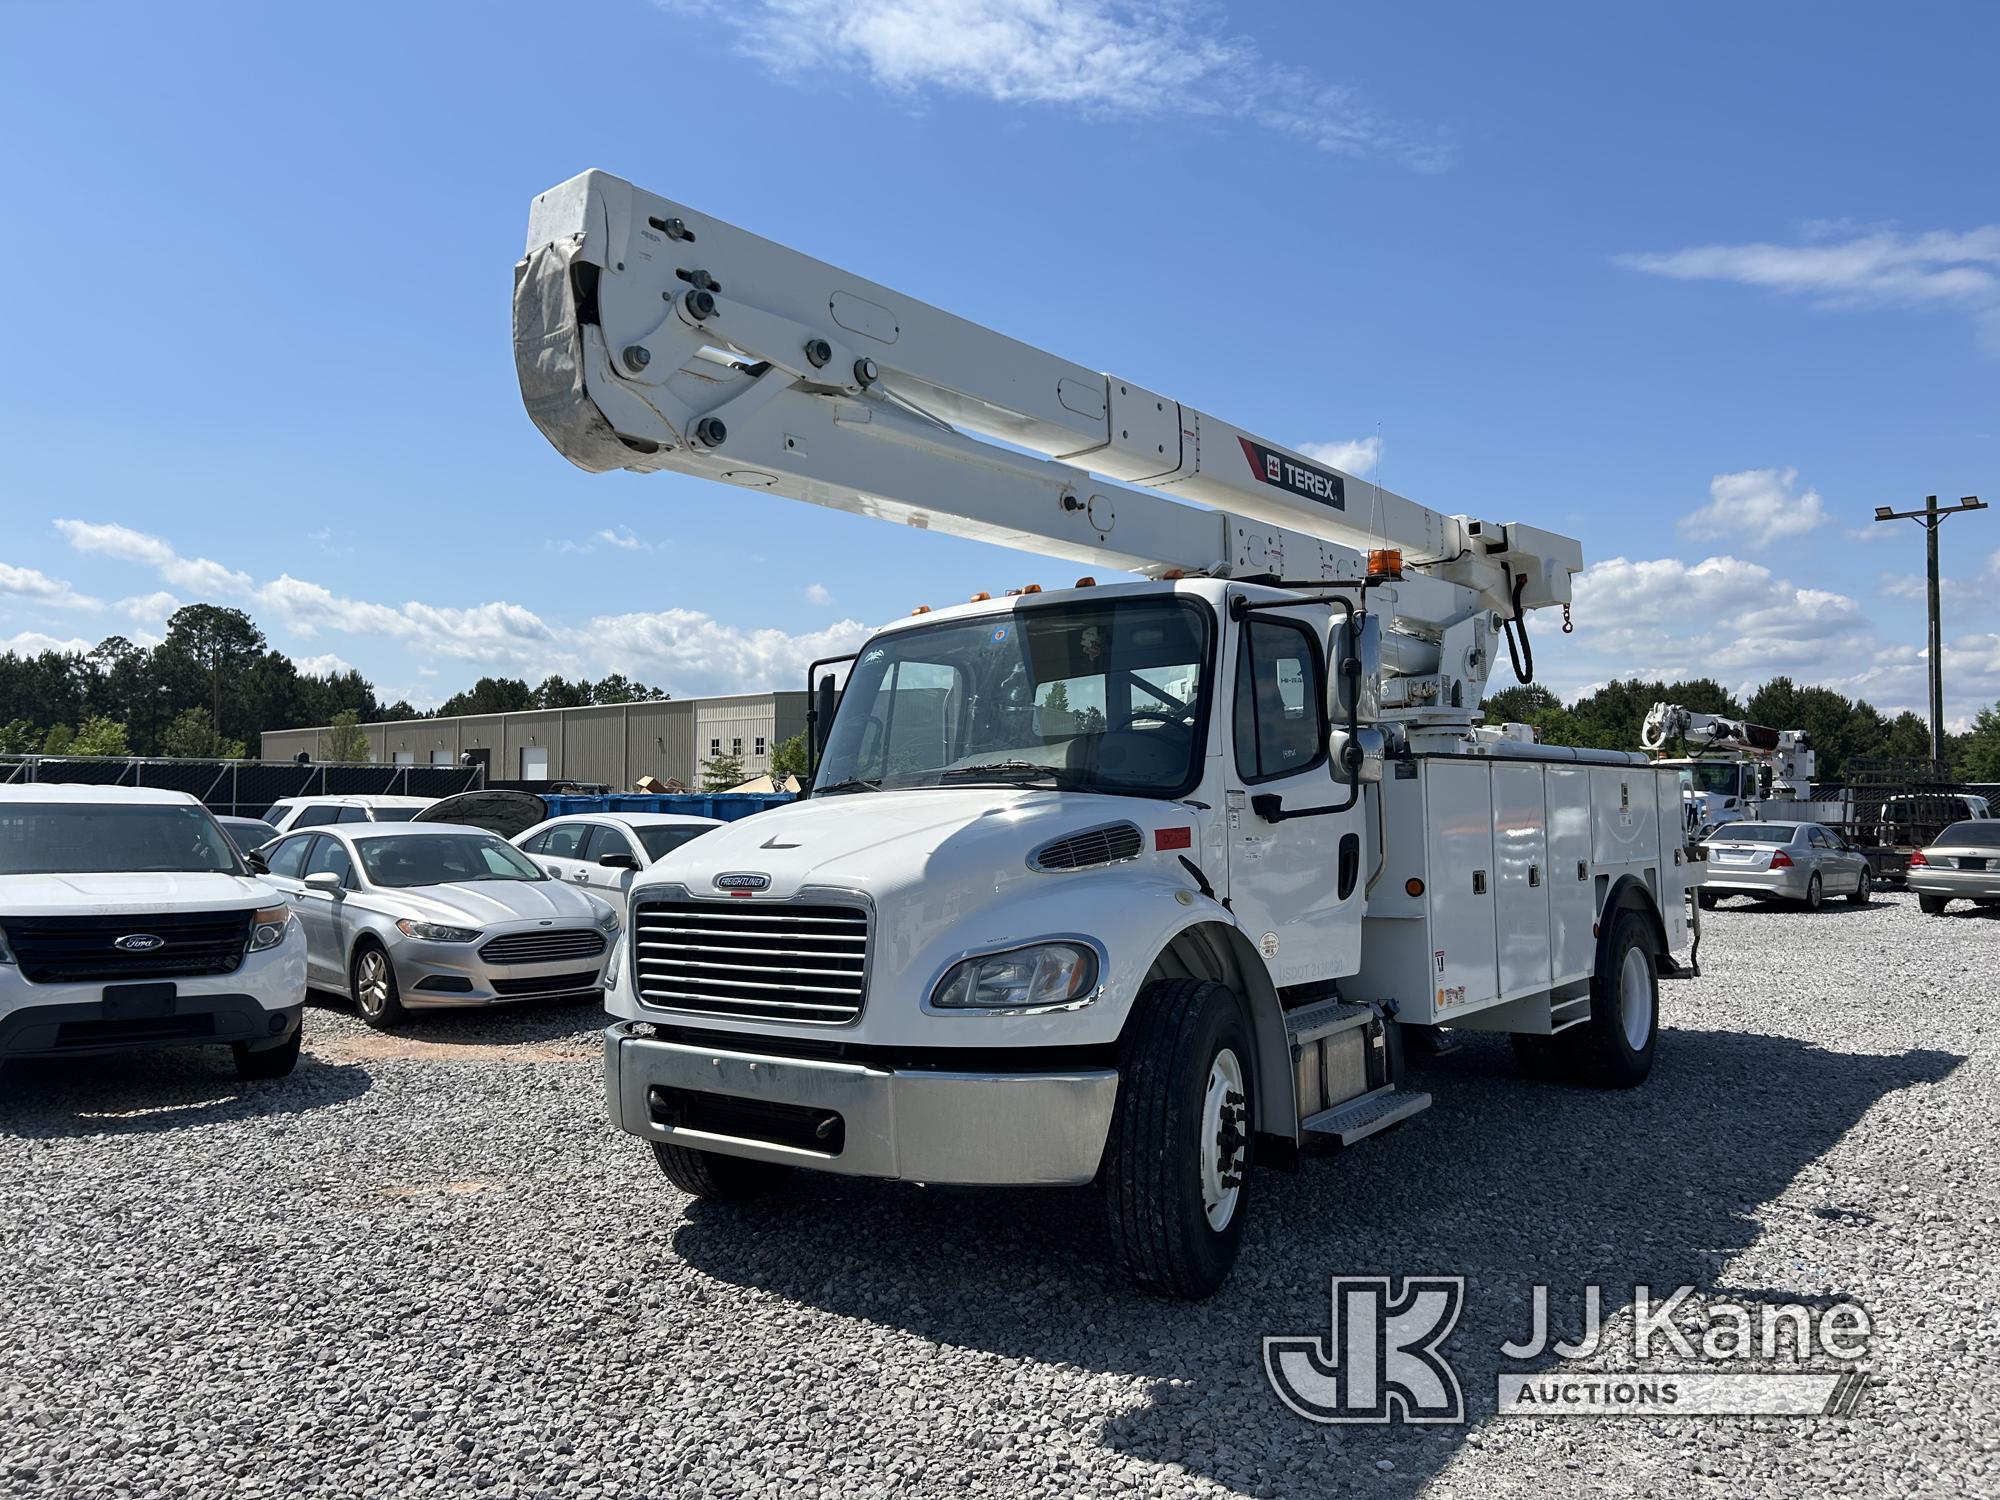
[425,1265]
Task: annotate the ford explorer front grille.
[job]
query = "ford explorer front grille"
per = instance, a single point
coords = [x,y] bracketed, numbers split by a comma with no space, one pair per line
[150,945]
[752,960]
[555,946]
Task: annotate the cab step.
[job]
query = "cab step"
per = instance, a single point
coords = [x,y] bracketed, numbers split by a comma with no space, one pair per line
[1309,1023]
[1358,1119]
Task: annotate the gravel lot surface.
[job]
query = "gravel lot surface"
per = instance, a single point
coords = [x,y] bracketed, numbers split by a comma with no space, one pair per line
[426,1265]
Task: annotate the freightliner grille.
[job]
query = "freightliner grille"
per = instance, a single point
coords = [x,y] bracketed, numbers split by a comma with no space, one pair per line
[52,950]
[752,960]
[544,947]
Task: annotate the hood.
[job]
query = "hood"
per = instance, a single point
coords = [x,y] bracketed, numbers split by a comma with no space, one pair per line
[492,903]
[881,841]
[508,814]
[104,895]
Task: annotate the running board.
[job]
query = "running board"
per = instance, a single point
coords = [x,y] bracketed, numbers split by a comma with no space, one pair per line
[1358,1119]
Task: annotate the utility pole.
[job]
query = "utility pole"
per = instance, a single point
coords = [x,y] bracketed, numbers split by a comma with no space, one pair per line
[1930,518]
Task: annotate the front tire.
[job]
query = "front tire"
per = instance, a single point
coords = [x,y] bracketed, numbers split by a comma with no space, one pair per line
[1614,1048]
[1932,906]
[371,979]
[707,1174]
[1176,1166]
[1864,888]
[272,1062]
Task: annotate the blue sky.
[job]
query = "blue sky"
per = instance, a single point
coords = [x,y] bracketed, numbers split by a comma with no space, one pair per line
[1700,284]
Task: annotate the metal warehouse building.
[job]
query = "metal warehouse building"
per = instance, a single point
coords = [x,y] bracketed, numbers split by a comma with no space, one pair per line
[615,744]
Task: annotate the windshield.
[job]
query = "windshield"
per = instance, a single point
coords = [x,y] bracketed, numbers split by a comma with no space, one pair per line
[664,838]
[1719,779]
[106,839]
[1100,696]
[442,859]
[1979,831]
[1753,833]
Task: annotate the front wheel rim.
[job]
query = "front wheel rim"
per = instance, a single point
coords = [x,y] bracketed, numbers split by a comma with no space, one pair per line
[1635,998]
[1224,1134]
[373,988]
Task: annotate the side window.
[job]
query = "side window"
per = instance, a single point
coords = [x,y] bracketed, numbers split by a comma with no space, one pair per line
[313,814]
[539,844]
[605,839]
[331,855]
[1818,839]
[353,815]
[1280,700]
[289,856]
[565,841]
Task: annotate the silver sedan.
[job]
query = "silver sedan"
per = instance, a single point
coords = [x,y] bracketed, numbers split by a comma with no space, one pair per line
[1804,862]
[400,915]
[1961,863]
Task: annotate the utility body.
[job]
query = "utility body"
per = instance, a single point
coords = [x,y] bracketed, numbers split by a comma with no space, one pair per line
[1142,883]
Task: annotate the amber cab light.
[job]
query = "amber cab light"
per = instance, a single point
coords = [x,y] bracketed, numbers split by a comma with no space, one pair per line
[1385,562]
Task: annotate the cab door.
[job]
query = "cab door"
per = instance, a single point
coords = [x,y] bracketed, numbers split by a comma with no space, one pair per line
[1294,883]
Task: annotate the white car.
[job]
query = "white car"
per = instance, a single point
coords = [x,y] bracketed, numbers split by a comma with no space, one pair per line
[288,813]
[128,920]
[603,851]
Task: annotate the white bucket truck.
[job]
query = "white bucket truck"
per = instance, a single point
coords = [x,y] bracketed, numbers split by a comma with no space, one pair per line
[1136,884]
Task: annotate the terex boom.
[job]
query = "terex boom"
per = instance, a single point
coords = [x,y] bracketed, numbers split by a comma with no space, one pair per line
[1139,884]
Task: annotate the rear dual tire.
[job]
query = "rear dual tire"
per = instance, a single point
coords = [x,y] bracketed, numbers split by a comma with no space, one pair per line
[1614,1048]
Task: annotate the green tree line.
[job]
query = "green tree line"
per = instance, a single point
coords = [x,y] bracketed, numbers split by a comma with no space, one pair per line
[1844,730]
[214,685]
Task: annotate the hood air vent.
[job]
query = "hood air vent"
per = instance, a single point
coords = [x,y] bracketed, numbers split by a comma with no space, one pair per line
[1111,844]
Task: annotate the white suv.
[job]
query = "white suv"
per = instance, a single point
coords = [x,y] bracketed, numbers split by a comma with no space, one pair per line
[290,813]
[128,920]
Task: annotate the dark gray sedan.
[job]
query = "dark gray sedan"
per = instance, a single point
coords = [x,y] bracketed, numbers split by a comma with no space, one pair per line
[399,915]
[1802,862]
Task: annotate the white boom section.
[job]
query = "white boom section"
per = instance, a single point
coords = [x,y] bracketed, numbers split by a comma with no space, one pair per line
[651,336]
[1790,750]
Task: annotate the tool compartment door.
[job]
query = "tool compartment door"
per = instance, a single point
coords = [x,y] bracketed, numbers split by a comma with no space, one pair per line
[1460,888]
[1572,903]
[1521,860]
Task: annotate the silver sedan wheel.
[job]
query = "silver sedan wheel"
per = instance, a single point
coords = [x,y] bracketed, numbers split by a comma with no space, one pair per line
[371,982]
[1635,998]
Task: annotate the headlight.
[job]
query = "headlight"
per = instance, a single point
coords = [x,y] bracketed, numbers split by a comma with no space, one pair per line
[432,932]
[267,927]
[1045,974]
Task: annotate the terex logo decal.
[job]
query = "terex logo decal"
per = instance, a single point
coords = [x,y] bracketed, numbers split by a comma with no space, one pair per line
[1295,475]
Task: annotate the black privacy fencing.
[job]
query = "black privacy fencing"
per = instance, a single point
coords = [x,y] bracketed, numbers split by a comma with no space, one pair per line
[242,788]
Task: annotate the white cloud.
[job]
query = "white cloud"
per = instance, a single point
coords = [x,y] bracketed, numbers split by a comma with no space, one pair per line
[30,586]
[197,575]
[694,653]
[818,593]
[1916,588]
[1139,59]
[1756,507]
[623,538]
[33,643]
[1358,457]
[1878,268]
[149,609]
[324,665]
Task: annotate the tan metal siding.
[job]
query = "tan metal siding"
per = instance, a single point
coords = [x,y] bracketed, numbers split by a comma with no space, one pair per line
[593,746]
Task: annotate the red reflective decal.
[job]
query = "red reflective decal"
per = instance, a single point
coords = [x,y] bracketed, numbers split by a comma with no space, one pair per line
[1173,838]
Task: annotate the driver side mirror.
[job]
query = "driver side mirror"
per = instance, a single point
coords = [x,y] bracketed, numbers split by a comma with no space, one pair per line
[618,861]
[825,699]
[1354,671]
[256,864]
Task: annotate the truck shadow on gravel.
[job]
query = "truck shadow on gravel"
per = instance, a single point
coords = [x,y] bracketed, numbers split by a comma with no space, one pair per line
[146,1093]
[1503,1181]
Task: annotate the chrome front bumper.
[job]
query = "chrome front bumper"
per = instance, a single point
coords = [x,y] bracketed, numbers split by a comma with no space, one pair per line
[918,1125]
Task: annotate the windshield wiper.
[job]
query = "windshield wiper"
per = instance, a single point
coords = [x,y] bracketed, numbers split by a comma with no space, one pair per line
[1013,770]
[851,784]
